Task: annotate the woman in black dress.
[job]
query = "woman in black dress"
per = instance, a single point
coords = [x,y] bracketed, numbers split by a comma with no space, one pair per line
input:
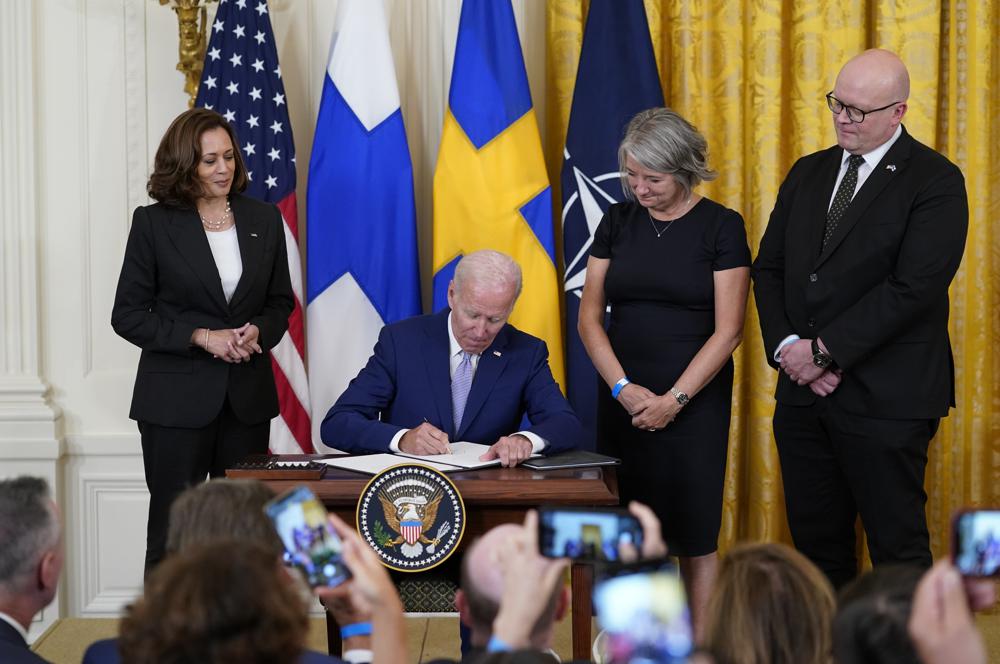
[674,267]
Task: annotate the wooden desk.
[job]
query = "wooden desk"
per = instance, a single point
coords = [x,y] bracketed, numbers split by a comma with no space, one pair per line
[492,496]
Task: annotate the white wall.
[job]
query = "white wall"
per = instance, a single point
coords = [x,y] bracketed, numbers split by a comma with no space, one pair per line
[88,87]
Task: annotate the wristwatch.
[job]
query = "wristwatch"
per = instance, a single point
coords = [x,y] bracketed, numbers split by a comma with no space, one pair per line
[682,398]
[820,359]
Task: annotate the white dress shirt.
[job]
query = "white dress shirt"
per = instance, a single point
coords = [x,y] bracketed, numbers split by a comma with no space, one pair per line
[16,625]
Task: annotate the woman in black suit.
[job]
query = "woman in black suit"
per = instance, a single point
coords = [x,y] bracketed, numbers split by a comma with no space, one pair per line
[204,291]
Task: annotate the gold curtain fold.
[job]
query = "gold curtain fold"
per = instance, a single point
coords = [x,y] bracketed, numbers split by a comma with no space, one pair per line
[751,75]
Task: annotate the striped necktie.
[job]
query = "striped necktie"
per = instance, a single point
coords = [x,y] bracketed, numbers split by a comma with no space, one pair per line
[461,383]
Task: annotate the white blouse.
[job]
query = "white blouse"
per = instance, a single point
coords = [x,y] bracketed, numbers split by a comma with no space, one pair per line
[226,251]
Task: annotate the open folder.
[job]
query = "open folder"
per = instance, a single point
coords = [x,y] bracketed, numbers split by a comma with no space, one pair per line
[464,456]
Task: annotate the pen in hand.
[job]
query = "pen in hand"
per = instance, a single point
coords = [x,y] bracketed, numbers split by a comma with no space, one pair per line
[447,445]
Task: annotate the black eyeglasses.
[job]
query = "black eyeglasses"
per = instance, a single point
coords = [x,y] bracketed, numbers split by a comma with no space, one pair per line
[854,113]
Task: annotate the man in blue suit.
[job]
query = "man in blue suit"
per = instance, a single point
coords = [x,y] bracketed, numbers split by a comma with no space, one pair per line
[31,559]
[461,374]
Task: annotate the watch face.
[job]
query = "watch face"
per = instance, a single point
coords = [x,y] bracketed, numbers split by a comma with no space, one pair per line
[822,361]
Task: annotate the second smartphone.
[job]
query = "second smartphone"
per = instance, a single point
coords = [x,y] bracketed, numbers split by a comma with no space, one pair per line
[587,534]
[310,542]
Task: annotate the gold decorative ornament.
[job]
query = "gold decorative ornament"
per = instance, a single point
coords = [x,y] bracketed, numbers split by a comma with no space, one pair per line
[192,20]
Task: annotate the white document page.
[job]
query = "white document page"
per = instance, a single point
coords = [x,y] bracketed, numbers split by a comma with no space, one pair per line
[463,454]
[376,463]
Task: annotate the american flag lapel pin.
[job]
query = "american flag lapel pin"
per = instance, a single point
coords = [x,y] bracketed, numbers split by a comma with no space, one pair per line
[497,353]
[253,235]
[891,167]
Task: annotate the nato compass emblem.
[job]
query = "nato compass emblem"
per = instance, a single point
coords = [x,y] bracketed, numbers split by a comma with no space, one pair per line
[412,516]
[581,214]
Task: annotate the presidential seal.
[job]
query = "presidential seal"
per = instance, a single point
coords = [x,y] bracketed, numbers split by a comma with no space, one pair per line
[412,516]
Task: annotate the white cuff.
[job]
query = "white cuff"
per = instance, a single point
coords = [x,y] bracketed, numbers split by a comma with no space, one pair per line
[394,447]
[538,444]
[791,338]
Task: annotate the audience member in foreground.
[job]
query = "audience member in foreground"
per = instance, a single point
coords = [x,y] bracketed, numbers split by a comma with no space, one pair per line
[770,605]
[483,581]
[31,559]
[222,603]
[941,622]
[373,593]
[872,613]
[229,510]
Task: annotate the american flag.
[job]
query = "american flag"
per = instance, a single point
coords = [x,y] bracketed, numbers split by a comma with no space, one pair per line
[242,81]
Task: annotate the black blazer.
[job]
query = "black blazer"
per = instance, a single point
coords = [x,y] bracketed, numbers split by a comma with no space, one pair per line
[877,294]
[169,286]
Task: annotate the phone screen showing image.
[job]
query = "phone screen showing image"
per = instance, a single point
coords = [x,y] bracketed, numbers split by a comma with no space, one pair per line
[976,547]
[310,542]
[644,615]
[591,535]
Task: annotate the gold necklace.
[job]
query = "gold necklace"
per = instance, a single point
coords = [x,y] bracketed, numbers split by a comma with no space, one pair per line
[217,224]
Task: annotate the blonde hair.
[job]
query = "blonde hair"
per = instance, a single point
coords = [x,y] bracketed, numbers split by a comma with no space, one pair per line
[770,605]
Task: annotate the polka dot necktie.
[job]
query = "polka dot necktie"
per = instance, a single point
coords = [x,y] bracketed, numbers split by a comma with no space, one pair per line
[461,383]
[845,192]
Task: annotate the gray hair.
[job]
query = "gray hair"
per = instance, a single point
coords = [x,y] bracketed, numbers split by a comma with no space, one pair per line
[28,528]
[222,509]
[662,141]
[489,269]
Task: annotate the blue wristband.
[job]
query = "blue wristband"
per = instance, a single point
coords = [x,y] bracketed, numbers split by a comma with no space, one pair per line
[497,645]
[616,390]
[356,629]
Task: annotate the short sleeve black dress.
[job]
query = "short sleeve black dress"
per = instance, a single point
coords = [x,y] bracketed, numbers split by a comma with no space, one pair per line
[661,290]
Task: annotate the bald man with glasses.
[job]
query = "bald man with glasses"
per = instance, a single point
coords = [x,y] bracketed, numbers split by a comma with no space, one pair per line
[851,284]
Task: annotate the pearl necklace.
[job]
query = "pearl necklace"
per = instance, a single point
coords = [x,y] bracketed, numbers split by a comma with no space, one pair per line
[217,224]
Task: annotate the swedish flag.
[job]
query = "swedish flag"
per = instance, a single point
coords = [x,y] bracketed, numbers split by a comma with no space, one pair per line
[491,190]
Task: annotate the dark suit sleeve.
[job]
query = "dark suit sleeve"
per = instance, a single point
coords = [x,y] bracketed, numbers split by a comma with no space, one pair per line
[133,316]
[353,424]
[769,275]
[928,259]
[550,414]
[272,320]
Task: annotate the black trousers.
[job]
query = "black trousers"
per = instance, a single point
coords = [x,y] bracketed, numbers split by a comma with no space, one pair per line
[836,465]
[176,458]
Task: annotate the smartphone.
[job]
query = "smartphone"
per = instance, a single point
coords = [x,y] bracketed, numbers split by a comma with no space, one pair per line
[975,546]
[310,542]
[643,611]
[587,534]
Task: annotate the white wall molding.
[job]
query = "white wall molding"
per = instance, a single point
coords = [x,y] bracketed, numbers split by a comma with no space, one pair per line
[22,390]
[109,571]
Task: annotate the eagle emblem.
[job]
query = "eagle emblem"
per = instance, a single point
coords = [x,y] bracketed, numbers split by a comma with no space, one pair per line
[412,516]
[411,513]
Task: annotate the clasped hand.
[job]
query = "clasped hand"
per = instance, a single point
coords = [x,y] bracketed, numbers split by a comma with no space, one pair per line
[649,411]
[234,345]
[797,363]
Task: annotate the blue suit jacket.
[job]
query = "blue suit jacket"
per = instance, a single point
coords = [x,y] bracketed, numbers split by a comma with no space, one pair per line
[106,652]
[13,649]
[408,380]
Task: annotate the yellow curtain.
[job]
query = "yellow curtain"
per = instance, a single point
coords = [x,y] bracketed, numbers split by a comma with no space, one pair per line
[752,76]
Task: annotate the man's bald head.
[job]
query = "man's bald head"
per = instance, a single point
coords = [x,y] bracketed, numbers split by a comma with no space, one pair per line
[879,72]
[482,580]
[877,83]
